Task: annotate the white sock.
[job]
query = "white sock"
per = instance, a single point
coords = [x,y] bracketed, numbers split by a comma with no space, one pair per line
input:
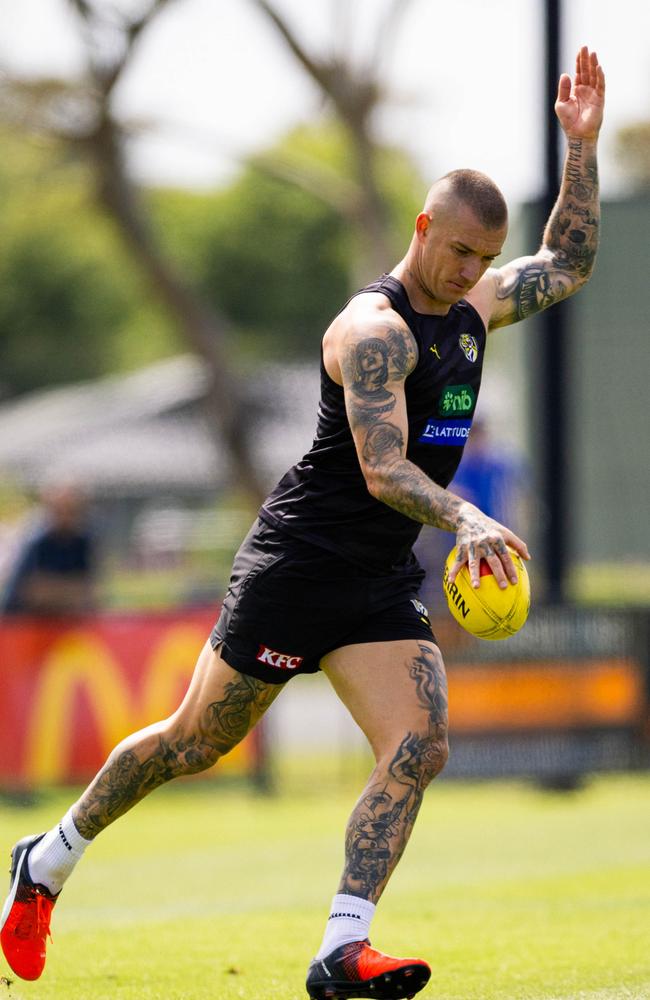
[54,857]
[349,920]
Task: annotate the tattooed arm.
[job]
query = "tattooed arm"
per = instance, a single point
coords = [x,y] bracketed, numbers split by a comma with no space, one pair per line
[566,258]
[375,357]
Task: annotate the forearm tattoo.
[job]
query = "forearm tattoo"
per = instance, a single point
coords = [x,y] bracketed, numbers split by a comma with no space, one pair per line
[153,756]
[568,252]
[411,492]
[382,821]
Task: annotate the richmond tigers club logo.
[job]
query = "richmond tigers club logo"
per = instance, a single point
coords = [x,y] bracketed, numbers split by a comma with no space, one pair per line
[469,346]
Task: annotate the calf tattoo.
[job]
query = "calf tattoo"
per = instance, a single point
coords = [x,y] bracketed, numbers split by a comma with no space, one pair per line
[382,820]
[155,755]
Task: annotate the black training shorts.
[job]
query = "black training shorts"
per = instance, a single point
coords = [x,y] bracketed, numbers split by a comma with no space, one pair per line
[289,603]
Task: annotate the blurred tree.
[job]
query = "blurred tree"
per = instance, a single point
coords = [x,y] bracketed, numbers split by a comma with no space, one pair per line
[354,89]
[299,261]
[633,149]
[69,298]
[81,114]
[72,306]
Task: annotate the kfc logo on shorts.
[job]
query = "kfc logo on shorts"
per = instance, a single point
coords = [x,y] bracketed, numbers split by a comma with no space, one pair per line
[282,661]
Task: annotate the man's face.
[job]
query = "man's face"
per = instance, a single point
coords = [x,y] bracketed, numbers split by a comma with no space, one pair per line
[370,359]
[372,362]
[455,251]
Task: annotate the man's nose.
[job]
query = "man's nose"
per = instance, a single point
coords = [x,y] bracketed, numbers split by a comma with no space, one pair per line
[471,269]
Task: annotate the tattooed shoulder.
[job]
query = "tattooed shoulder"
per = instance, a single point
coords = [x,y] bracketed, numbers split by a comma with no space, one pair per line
[377,354]
[371,359]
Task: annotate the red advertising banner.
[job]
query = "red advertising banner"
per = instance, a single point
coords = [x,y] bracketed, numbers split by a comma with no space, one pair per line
[70,691]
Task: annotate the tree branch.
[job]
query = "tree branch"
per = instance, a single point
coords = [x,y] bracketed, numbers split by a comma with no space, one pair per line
[317,179]
[316,69]
[201,326]
[385,38]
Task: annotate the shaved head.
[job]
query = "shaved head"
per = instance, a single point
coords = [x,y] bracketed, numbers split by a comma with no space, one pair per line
[471,188]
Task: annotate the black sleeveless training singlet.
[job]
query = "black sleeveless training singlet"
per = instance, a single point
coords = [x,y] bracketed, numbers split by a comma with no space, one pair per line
[324,498]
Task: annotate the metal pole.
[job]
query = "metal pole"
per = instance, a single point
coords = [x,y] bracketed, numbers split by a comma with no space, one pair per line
[554,352]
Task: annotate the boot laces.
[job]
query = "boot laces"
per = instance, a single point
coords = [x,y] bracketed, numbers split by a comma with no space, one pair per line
[34,922]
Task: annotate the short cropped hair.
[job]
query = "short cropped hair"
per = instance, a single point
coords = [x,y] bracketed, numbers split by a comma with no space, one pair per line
[480,193]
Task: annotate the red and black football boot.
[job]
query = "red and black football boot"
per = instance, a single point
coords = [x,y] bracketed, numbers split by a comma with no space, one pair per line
[25,920]
[357,970]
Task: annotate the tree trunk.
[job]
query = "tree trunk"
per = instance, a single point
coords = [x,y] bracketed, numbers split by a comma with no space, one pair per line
[200,326]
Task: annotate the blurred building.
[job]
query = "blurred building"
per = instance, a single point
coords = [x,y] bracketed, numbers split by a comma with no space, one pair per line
[154,472]
[129,436]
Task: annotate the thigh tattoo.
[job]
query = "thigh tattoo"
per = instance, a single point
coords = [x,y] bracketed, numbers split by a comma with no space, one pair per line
[431,684]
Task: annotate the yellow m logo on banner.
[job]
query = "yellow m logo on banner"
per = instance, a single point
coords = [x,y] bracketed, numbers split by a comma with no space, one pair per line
[78,658]
[82,660]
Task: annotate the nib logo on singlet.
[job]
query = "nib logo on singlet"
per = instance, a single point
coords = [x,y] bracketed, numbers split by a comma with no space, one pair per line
[457,399]
[282,661]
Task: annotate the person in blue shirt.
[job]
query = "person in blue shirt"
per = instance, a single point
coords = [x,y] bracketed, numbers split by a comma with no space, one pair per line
[491,478]
[55,570]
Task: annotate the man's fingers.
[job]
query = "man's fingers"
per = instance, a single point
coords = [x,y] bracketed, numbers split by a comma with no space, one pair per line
[518,544]
[583,65]
[503,567]
[496,555]
[589,72]
[461,558]
[474,563]
[564,88]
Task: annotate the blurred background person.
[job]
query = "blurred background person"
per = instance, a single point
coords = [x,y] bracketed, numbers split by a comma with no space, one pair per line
[492,478]
[55,570]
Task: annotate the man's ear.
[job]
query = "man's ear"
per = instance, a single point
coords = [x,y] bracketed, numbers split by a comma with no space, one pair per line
[422,224]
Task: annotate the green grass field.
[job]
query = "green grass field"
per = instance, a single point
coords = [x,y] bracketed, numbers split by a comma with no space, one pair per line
[208,891]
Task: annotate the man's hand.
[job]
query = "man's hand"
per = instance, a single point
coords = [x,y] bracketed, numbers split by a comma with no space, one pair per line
[580,104]
[480,537]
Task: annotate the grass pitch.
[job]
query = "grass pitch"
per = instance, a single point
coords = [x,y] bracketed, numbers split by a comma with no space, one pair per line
[206,891]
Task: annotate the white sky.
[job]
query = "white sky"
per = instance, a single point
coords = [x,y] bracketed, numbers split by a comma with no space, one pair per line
[469,74]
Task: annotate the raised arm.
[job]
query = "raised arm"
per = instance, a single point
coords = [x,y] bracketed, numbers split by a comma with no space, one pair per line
[375,359]
[566,257]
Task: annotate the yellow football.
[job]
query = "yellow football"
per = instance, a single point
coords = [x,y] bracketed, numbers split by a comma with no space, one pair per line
[487,611]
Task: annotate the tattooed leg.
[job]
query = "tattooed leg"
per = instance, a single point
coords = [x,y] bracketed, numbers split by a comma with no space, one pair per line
[400,701]
[220,708]
[381,823]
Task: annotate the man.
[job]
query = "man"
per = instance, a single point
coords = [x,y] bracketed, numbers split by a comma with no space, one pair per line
[326,577]
[55,571]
